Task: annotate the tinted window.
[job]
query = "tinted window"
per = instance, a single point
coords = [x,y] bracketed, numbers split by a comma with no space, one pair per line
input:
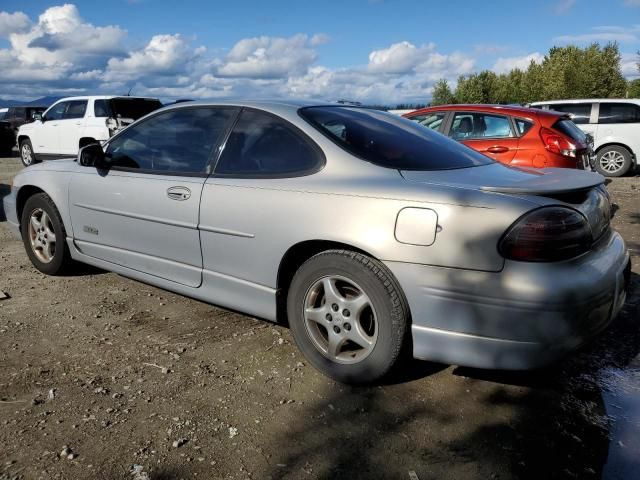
[580,112]
[430,120]
[19,113]
[262,144]
[470,126]
[101,108]
[178,141]
[57,111]
[568,128]
[75,109]
[523,126]
[619,113]
[390,141]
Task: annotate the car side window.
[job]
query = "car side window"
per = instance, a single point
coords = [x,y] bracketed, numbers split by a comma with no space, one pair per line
[20,113]
[477,126]
[177,141]
[263,145]
[75,109]
[580,112]
[619,113]
[101,108]
[57,111]
[431,120]
[522,126]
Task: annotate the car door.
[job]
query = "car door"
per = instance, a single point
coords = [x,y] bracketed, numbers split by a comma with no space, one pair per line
[618,122]
[44,135]
[70,127]
[143,211]
[488,133]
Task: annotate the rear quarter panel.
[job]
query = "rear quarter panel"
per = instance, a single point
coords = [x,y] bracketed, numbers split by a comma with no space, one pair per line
[248,225]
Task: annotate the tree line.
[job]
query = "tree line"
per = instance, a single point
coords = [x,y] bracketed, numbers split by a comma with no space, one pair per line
[564,73]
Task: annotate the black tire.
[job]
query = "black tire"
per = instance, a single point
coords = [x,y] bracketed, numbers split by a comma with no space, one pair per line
[387,300]
[61,259]
[624,160]
[26,153]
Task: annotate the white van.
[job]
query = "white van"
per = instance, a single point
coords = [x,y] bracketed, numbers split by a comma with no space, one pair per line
[71,123]
[615,126]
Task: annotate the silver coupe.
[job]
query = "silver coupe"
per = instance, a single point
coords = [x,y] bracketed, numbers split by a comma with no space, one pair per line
[373,237]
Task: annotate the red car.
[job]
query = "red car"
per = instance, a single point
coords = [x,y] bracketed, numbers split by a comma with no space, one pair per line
[517,136]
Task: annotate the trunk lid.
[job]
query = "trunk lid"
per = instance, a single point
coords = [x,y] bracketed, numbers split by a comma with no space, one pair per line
[514,180]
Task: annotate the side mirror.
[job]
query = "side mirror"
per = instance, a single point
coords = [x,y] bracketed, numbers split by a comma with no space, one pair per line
[92,155]
[38,116]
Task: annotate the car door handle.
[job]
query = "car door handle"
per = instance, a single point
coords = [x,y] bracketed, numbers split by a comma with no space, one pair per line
[497,149]
[179,193]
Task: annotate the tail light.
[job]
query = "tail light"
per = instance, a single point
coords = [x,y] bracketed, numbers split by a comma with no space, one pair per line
[112,125]
[547,234]
[557,143]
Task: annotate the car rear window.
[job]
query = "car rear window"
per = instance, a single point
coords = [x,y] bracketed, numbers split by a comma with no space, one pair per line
[390,141]
[133,108]
[570,129]
[580,112]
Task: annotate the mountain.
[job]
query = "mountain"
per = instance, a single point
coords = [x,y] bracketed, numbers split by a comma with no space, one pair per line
[44,102]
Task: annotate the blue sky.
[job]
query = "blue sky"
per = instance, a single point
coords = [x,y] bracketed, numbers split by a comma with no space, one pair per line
[372,50]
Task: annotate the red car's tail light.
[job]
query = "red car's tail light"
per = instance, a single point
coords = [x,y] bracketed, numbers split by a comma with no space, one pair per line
[557,143]
[547,234]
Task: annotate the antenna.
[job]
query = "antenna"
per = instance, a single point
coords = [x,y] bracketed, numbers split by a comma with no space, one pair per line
[129,92]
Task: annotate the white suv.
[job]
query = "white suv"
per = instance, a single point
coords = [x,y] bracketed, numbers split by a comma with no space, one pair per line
[72,123]
[615,126]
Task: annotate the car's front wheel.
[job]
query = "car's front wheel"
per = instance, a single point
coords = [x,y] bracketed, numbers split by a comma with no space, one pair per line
[613,161]
[44,236]
[348,315]
[26,153]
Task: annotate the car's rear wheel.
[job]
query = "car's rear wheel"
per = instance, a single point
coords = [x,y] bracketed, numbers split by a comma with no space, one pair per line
[348,315]
[26,153]
[613,161]
[44,236]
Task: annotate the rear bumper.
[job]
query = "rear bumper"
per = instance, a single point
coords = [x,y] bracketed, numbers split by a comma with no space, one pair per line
[526,316]
[9,205]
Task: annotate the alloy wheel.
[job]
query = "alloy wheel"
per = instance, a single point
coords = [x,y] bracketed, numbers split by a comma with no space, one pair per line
[612,161]
[340,319]
[27,155]
[42,235]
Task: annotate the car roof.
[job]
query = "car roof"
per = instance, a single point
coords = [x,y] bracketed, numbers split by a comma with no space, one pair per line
[261,103]
[514,110]
[102,97]
[589,100]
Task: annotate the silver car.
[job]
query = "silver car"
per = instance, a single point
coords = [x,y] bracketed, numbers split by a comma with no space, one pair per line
[372,236]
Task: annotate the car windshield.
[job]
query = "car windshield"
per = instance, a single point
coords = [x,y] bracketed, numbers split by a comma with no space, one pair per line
[390,141]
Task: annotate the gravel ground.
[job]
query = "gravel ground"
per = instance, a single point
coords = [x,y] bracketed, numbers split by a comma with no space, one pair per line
[102,377]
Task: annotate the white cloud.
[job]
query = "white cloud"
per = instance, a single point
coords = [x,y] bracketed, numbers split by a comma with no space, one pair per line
[629,65]
[632,3]
[506,64]
[13,23]
[270,57]
[164,54]
[405,58]
[604,34]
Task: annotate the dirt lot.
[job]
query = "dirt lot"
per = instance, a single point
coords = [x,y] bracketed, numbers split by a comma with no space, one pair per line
[137,383]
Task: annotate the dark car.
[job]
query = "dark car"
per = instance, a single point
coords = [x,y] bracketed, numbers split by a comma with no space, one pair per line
[11,121]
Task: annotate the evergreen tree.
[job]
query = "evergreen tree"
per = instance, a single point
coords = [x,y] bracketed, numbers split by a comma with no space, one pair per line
[442,94]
